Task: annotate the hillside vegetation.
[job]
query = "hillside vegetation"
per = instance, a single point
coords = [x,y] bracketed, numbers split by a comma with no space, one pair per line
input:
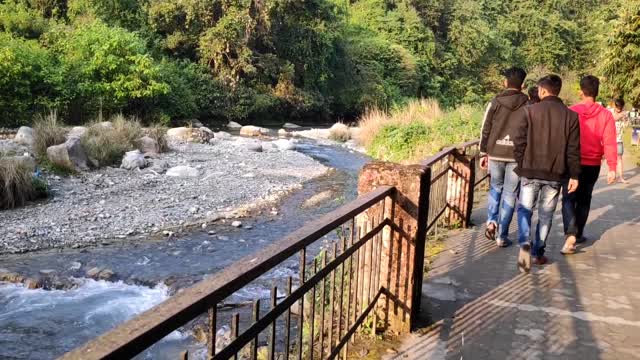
[219,60]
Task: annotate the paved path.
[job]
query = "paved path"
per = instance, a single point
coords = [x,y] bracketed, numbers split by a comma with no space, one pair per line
[585,306]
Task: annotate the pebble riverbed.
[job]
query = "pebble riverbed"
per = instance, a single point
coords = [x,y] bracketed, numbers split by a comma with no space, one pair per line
[112,204]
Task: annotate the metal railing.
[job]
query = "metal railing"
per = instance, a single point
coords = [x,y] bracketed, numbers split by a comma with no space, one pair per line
[316,314]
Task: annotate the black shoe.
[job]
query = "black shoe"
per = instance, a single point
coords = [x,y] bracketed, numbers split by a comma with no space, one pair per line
[581,239]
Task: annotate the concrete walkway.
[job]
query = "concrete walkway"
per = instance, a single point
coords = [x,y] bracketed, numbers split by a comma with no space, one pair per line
[586,306]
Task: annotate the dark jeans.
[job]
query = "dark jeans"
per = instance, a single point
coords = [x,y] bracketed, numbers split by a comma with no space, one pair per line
[576,206]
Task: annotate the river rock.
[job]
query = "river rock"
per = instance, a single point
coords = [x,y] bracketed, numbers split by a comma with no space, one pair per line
[318,199]
[182,171]
[148,146]
[236,224]
[223,135]
[24,136]
[290,126]
[76,132]
[234,125]
[284,144]
[249,144]
[93,272]
[106,274]
[70,155]
[133,160]
[251,130]
[158,166]
[179,133]
[75,265]
[47,272]
[283,133]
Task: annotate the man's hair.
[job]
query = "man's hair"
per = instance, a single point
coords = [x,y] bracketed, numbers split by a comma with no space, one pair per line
[515,77]
[620,103]
[590,86]
[533,94]
[552,83]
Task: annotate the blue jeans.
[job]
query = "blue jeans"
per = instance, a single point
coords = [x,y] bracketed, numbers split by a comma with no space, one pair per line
[505,184]
[546,194]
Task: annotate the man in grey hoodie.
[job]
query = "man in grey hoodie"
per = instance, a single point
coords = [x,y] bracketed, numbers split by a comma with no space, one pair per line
[499,127]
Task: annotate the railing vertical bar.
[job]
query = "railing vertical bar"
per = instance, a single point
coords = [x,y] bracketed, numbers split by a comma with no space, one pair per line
[352,235]
[271,351]
[357,280]
[332,284]
[211,339]
[303,259]
[256,317]
[343,247]
[322,306]
[235,324]
[312,331]
[287,322]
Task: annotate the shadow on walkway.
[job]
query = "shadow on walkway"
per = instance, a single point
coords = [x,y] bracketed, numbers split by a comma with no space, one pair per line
[476,305]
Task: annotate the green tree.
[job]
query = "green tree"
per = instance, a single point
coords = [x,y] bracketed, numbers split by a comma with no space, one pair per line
[621,63]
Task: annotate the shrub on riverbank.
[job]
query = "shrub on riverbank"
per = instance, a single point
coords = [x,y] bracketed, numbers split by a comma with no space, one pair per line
[47,131]
[417,131]
[340,132]
[108,142]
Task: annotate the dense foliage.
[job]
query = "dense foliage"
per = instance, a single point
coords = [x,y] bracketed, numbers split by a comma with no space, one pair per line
[217,60]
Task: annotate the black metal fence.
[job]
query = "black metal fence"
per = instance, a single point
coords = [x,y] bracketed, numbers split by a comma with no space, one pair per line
[316,313]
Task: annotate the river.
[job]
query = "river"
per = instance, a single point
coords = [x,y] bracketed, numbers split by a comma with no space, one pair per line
[44,324]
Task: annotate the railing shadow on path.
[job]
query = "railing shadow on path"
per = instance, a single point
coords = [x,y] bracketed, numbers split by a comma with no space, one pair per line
[477,306]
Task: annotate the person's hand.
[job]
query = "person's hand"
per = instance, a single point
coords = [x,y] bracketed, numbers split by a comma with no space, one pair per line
[611,177]
[573,186]
[484,162]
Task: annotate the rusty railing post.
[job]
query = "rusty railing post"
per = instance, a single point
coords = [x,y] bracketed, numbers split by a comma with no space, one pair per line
[403,243]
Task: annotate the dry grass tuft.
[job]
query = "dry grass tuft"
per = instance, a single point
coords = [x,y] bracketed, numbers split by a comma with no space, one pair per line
[374,120]
[48,131]
[340,132]
[17,185]
[107,144]
[159,134]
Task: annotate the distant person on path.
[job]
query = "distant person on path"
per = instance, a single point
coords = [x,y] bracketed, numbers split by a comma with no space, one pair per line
[547,150]
[496,147]
[621,117]
[597,138]
[533,95]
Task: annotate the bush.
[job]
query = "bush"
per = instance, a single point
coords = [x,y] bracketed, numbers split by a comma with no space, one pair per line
[339,132]
[106,144]
[47,131]
[17,184]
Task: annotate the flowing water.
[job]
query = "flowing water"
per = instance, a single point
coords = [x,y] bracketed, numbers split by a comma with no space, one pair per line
[43,324]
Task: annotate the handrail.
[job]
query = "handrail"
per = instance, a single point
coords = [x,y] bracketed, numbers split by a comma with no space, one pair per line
[146,329]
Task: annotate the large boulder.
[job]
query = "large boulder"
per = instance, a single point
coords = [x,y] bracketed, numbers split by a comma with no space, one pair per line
[251,130]
[186,134]
[76,132]
[179,133]
[182,171]
[24,136]
[70,155]
[234,125]
[148,146]
[133,160]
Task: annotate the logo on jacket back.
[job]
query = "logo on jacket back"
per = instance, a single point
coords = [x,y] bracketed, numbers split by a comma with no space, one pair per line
[505,142]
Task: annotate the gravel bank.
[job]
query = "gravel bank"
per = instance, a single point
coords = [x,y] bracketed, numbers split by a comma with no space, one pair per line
[114,204]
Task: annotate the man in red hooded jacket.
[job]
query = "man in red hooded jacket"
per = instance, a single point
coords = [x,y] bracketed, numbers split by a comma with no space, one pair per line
[597,138]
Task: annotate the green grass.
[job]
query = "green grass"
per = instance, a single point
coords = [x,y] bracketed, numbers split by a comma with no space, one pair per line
[47,131]
[634,150]
[17,183]
[107,144]
[417,140]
